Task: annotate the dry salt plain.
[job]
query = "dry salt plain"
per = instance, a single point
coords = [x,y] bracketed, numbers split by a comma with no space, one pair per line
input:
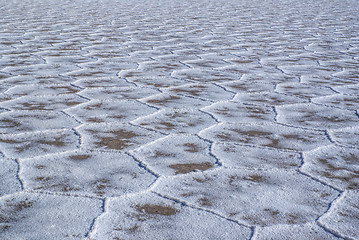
[225,119]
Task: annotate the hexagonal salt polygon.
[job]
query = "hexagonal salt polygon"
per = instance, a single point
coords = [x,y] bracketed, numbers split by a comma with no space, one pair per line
[176,121]
[315,116]
[78,172]
[303,90]
[267,135]
[97,111]
[166,100]
[27,145]
[186,154]
[202,91]
[115,136]
[45,103]
[60,216]
[27,121]
[267,99]
[237,156]
[118,93]
[235,112]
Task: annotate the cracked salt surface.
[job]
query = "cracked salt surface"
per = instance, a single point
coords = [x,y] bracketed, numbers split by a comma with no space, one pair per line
[343,217]
[143,216]
[179,120]
[299,232]
[78,172]
[187,154]
[276,201]
[339,166]
[59,216]
[10,183]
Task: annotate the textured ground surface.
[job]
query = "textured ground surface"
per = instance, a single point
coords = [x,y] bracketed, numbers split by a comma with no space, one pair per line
[226,119]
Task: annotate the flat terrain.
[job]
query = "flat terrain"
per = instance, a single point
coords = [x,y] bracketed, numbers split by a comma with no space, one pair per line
[153,119]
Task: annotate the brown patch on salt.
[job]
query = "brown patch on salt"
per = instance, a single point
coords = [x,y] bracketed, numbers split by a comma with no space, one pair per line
[94,106]
[22,205]
[94,120]
[40,166]
[67,89]
[119,141]
[72,103]
[190,167]
[162,154]
[251,133]
[57,142]
[194,93]
[332,171]
[11,141]
[204,202]
[80,157]
[4,99]
[34,106]
[42,179]
[271,211]
[191,147]
[156,209]
[224,136]
[100,186]
[167,125]
[9,123]
[254,178]
[163,101]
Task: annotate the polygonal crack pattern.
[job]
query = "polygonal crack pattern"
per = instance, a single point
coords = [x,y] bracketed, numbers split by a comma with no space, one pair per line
[10,183]
[215,119]
[347,137]
[343,217]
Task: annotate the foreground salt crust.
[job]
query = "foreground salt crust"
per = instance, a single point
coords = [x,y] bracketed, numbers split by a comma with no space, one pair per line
[151,216]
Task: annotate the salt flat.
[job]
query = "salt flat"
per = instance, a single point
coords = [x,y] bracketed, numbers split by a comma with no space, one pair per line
[153,119]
